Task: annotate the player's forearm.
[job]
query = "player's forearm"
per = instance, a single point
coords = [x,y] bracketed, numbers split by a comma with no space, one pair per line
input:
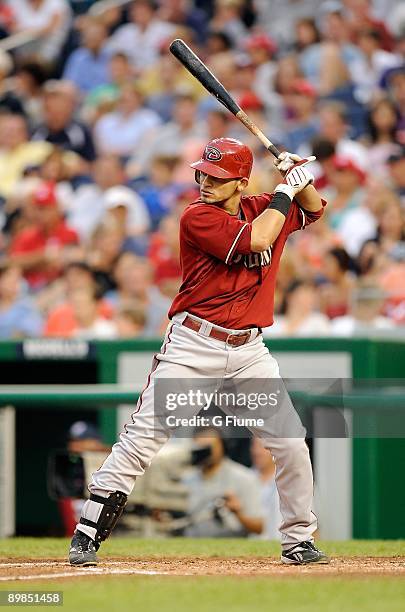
[309,199]
[265,229]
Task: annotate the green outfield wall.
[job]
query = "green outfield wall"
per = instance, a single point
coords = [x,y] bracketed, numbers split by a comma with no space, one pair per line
[367,488]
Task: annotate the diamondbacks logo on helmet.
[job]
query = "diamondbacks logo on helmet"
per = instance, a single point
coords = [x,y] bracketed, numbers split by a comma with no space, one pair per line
[212,154]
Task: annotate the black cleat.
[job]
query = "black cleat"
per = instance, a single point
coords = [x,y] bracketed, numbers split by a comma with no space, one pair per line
[82,550]
[304,553]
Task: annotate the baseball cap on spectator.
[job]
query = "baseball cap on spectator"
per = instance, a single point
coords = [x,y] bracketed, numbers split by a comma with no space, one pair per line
[303,87]
[45,195]
[249,101]
[390,74]
[345,163]
[119,196]
[82,430]
[261,41]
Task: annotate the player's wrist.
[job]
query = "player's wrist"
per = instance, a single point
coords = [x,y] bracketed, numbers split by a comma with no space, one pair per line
[282,199]
[288,190]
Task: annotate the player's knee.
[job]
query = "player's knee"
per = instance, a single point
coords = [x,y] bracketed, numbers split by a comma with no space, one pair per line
[292,449]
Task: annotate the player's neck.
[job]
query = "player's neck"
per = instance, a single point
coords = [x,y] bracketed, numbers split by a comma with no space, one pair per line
[232,205]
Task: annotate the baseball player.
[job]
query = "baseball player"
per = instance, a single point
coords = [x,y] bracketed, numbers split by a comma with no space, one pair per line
[230,249]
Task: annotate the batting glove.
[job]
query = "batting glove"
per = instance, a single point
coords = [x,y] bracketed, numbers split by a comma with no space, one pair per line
[296,179]
[286,161]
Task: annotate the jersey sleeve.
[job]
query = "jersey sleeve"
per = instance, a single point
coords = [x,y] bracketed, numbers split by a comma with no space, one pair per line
[216,232]
[299,218]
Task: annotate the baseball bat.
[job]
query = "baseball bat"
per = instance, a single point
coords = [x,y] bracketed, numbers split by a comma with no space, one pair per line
[199,70]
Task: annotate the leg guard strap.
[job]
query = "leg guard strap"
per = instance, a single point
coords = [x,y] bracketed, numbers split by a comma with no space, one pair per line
[113,507]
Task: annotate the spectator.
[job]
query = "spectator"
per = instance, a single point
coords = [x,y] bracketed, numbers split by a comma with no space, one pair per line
[396,169]
[101,99]
[325,63]
[218,42]
[84,437]
[17,152]
[164,253]
[59,126]
[394,79]
[383,121]
[133,277]
[9,102]
[324,150]
[90,324]
[130,321]
[377,62]
[365,313]
[261,50]
[130,216]
[360,223]
[339,283]
[91,201]
[346,192]
[103,250]
[159,189]
[18,316]
[307,43]
[265,468]
[121,131]
[362,17]
[61,320]
[334,127]
[87,66]
[143,36]
[42,249]
[280,16]
[219,482]
[27,86]
[49,22]
[299,316]
[391,226]
[227,19]
[337,32]
[171,139]
[311,248]
[304,124]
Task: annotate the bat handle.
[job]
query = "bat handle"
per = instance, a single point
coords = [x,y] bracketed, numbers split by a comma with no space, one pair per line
[242,116]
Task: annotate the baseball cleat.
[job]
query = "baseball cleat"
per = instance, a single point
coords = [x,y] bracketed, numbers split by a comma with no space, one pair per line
[82,550]
[304,553]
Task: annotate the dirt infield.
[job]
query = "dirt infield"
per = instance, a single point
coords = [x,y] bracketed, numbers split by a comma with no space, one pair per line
[33,569]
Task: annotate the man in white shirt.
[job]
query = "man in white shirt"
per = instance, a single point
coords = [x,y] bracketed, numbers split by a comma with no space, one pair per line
[91,202]
[142,38]
[365,316]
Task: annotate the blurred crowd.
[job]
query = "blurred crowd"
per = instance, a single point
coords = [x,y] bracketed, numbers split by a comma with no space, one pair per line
[98,125]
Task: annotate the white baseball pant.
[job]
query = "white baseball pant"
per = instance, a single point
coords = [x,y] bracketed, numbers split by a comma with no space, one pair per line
[187,354]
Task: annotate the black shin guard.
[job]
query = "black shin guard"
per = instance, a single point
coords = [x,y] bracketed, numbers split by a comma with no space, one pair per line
[113,507]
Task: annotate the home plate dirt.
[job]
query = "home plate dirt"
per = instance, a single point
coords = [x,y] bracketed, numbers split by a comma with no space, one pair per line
[31,569]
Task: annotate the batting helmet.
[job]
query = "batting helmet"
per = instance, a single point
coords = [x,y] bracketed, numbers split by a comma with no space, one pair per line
[225,158]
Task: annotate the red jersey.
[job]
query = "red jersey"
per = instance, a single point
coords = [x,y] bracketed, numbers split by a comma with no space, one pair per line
[34,240]
[224,282]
